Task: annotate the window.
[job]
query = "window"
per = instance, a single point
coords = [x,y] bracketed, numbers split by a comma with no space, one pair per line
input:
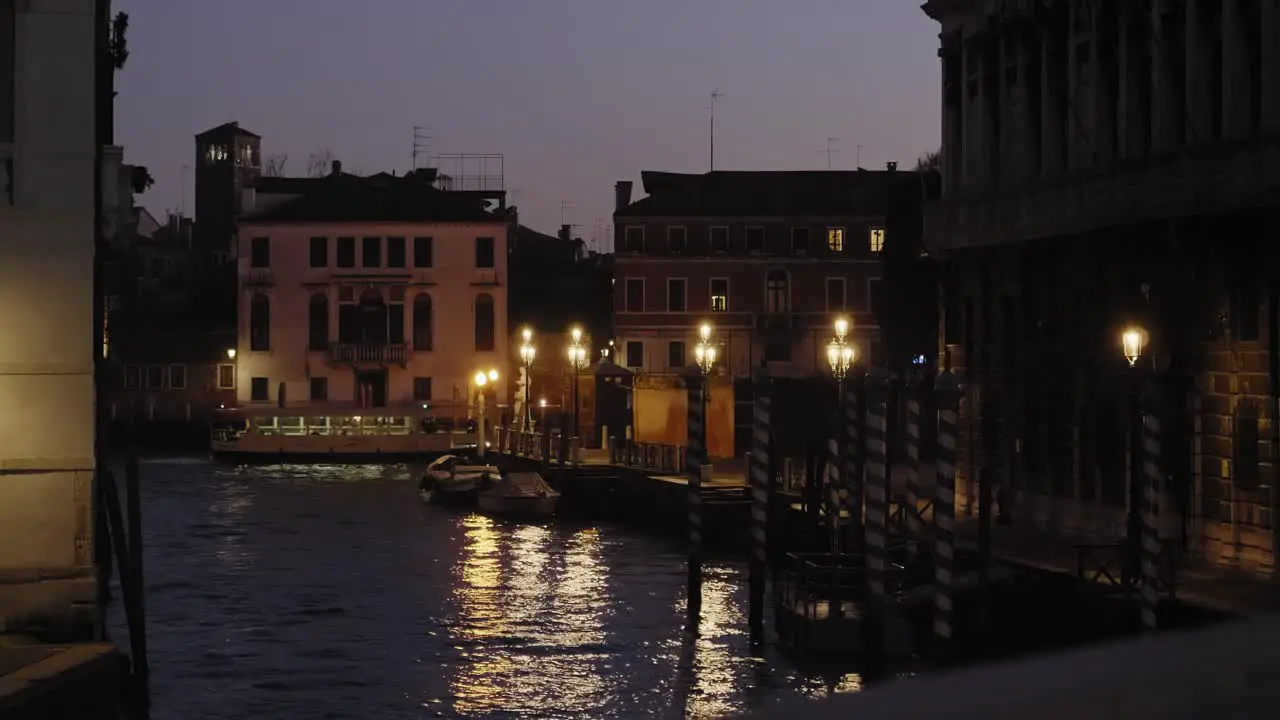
[318,322]
[484,252]
[395,317]
[875,240]
[634,240]
[319,252]
[226,377]
[260,252]
[422,388]
[346,252]
[719,239]
[755,239]
[177,377]
[422,252]
[395,252]
[799,241]
[873,295]
[676,295]
[675,354]
[677,239]
[719,294]
[371,252]
[777,295]
[260,323]
[422,322]
[836,296]
[635,353]
[258,390]
[835,239]
[155,377]
[132,377]
[485,334]
[319,389]
[634,300]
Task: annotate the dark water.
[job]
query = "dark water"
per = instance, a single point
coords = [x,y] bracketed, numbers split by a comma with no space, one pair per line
[331,592]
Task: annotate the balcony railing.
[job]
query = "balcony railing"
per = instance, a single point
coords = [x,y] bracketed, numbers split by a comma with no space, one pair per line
[1213,179]
[259,277]
[367,353]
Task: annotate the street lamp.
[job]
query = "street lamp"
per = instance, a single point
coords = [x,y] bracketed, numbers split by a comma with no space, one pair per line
[705,352]
[577,361]
[1133,340]
[231,353]
[527,353]
[542,419]
[481,379]
[840,353]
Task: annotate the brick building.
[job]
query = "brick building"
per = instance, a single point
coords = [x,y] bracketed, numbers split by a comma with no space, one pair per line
[770,258]
[1106,165]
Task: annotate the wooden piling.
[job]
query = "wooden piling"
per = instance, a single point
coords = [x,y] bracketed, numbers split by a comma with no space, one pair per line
[1152,486]
[947,395]
[877,488]
[761,451]
[854,452]
[695,459]
[915,533]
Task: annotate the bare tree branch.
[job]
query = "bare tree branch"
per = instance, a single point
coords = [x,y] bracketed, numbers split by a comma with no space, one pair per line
[320,163]
[930,161]
[273,164]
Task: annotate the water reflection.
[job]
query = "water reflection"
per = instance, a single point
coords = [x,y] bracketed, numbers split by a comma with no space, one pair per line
[707,659]
[529,628]
[226,516]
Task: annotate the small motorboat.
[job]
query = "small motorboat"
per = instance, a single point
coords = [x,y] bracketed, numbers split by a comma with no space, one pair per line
[519,495]
[448,481]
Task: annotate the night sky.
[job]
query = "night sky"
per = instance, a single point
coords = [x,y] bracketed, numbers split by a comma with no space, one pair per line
[575,93]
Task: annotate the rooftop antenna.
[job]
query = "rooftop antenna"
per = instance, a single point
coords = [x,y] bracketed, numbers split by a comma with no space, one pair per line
[566,209]
[421,145]
[715,95]
[831,150]
[182,200]
[858,157]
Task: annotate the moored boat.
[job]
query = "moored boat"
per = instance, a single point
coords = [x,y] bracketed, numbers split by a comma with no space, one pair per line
[448,481]
[519,495]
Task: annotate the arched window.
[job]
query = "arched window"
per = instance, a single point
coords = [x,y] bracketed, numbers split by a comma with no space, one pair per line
[484,323]
[422,322]
[318,322]
[260,322]
[777,295]
[373,318]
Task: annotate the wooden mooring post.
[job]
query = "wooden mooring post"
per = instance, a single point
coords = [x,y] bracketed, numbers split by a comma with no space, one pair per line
[1152,486]
[695,457]
[877,521]
[915,532]
[854,454]
[947,395]
[761,479]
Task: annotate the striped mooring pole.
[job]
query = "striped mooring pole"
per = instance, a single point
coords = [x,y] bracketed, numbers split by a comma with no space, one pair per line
[915,534]
[761,448]
[877,487]
[1152,482]
[854,453]
[695,457]
[947,394]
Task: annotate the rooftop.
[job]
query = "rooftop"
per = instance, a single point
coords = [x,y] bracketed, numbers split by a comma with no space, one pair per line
[341,197]
[764,193]
[230,128]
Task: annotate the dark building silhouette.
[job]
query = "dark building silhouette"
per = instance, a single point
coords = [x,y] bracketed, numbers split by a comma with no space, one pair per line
[228,160]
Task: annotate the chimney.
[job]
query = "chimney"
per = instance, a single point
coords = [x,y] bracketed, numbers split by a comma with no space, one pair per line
[565,231]
[621,195]
[891,166]
[337,168]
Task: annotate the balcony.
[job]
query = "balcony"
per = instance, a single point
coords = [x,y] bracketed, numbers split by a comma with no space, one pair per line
[357,353]
[1217,178]
[485,278]
[259,277]
[7,187]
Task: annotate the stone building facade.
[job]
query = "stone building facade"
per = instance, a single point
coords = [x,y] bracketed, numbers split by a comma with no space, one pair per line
[1114,164]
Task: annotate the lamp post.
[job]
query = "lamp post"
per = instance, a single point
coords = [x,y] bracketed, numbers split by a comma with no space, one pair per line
[542,413]
[705,354]
[235,372]
[1133,340]
[482,379]
[840,356]
[577,361]
[527,354]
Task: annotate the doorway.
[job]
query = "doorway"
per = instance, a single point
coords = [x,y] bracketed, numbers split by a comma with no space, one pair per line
[371,388]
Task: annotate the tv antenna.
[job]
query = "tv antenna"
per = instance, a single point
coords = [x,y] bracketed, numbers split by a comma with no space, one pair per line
[831,149]
[566,210]
[715,95]
[421,145]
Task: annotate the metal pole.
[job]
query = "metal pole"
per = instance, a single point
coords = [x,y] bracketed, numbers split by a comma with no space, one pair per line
[1152,473]
[694,459]
[1133,524]
[577,431]
[480,422]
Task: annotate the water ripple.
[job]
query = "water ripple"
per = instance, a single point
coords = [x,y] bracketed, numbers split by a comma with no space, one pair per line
[329,591]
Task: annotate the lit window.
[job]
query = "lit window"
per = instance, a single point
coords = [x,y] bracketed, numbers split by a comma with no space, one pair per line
[876,240]
[835,239]
[719,294]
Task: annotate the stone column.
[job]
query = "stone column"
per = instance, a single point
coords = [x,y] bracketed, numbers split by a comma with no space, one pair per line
[1200,84]
[1130,114]
[1162,105]
[983,126]
[968,65]
[1270,66]
[953,148]
[1051,110]
[1082,85]
[1235,72]
[1105,47]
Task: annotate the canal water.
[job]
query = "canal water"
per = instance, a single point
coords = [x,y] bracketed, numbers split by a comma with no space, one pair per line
[294,591]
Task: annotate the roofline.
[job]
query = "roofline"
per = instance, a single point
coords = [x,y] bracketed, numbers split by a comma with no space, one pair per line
[250,222]
[238,131]
[739,219]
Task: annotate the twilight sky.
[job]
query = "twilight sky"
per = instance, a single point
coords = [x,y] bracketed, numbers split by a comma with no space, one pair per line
[575,93]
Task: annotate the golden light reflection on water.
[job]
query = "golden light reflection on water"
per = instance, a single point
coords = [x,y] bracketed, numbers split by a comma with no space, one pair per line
[518,598]
[229,511]
[710,684]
